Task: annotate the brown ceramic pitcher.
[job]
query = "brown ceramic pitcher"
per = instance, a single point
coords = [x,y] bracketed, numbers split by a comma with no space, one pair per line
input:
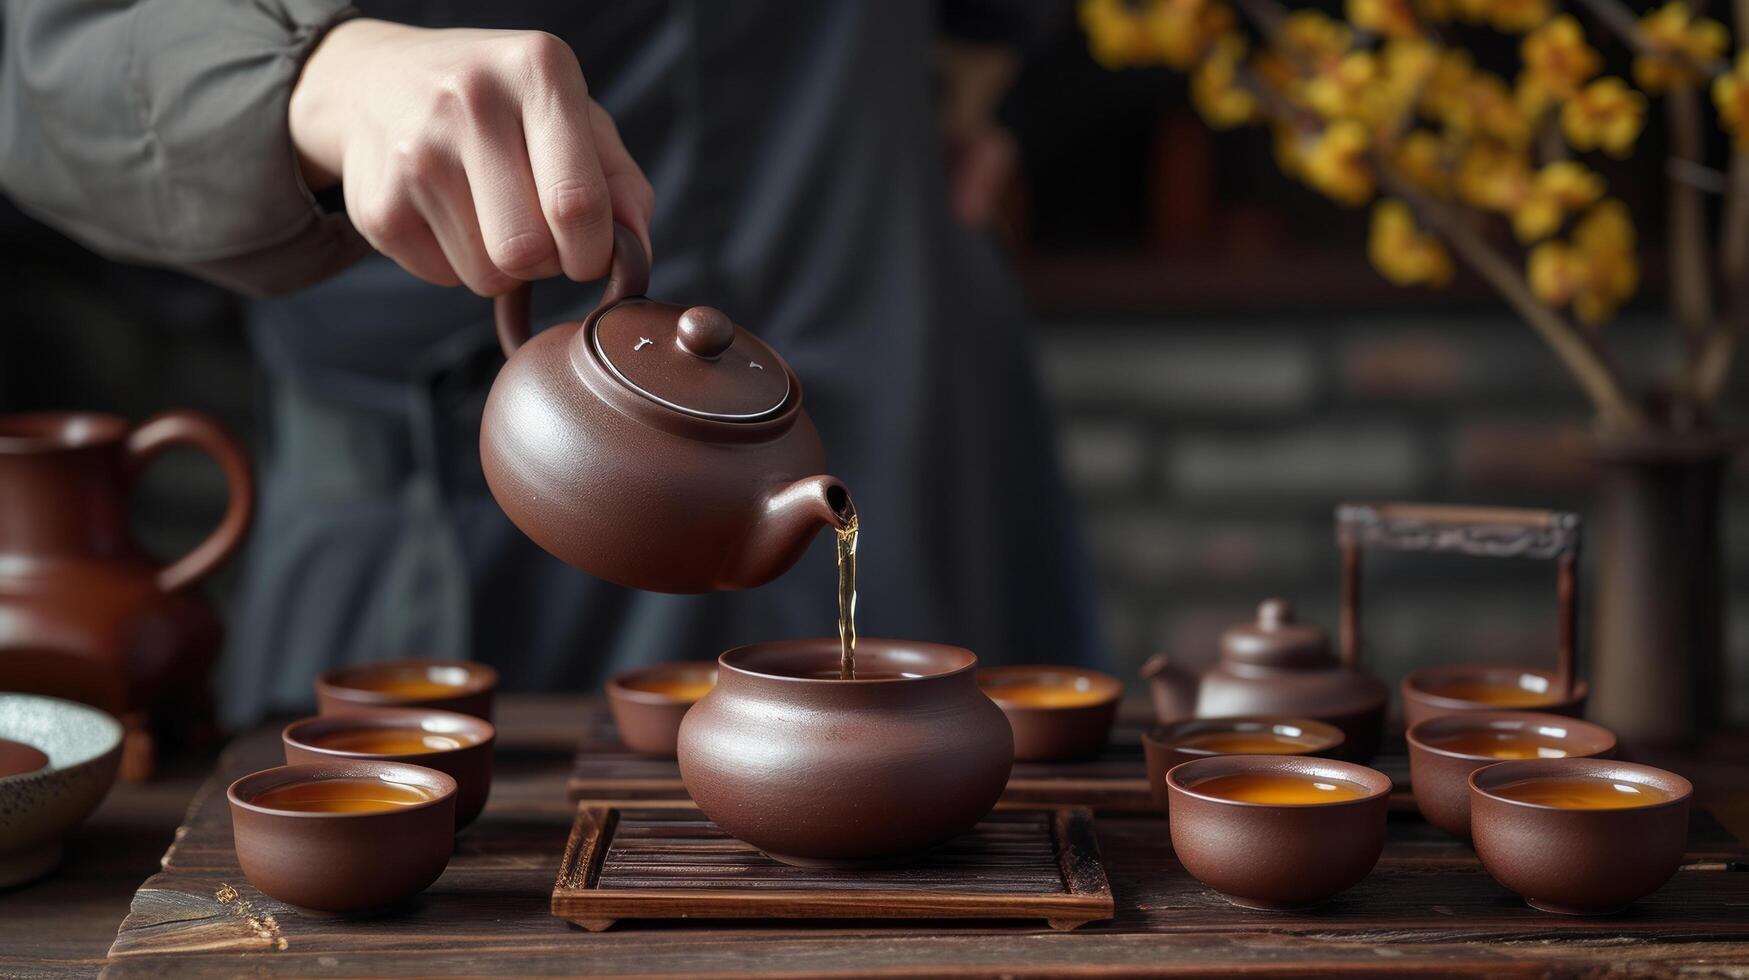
[656,446]
[84,613]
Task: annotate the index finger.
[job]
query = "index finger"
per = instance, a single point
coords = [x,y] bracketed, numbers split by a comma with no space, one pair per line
[567,172]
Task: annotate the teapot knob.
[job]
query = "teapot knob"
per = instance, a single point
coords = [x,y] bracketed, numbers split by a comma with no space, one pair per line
[1274,613]
[705,332]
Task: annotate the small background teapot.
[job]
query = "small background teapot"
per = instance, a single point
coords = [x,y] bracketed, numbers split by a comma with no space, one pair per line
[657,446]
[1275,666]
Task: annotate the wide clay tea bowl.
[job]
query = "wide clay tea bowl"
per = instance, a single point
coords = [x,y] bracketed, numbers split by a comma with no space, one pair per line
[39,806]
[449,741]
[1277,856]
[1056,712]
[819,771]
[648,703]
[1200,738]
[1451,688]
[447,685]
[1579,861]
[343,862]
[1440,763]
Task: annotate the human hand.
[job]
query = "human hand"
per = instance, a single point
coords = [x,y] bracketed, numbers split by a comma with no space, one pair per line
[468,156]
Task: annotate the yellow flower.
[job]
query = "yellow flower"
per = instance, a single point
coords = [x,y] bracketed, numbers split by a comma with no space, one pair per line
[1401,252]
[1117,33]
[1731,95]
[1221,102]
[1390,18]
[1313,39]
[1606,114]
[1124,34]
[1559,189]
[1485,105]
[1420,158]
[1518,16]
[1493,177]
[1681,39]
[1335,163]
[1340,88]
[1443,94]
[1557,59]
[1604,241]
[1596,272]
[1554,272]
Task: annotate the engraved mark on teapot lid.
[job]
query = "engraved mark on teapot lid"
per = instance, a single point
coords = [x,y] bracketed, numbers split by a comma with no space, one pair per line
[642,343]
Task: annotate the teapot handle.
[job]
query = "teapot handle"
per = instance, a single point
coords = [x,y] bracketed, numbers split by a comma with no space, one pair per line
[627,276]
[1492,532]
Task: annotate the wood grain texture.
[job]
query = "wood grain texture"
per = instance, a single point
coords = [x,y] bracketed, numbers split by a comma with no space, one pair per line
[1427,907]
[665,860]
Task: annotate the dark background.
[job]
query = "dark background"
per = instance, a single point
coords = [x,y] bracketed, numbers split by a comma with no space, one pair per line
[1226,367]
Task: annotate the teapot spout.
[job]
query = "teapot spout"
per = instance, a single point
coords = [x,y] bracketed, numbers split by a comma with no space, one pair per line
[793,514]
[1173,689]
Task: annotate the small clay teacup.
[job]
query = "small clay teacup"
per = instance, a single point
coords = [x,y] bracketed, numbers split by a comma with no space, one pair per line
[1199,738]
[1056,712]
[1440,763]
[1579,861]
[1277,856]
[448,741]
[448,685]
[648,703]
[1434,691]
[344,862]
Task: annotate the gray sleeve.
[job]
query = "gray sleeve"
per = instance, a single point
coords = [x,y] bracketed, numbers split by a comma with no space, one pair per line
[155,131]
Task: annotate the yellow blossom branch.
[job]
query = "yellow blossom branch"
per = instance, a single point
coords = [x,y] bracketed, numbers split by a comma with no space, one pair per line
[1713,366]
[1625,24]
[1589,365]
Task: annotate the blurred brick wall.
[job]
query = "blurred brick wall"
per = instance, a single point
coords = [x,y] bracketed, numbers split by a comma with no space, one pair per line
[1207,455]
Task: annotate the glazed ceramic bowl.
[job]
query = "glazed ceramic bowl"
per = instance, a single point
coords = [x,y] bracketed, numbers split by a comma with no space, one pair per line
[1164,746]
[448,685]
[1276,857]
[343,862]
[818,771]
[1429,692]
[1440,774]
[1579,862]
[1069,717]
[469,764]
[37,808]
[648,715]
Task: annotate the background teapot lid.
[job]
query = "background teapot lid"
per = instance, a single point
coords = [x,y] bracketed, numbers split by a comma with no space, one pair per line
[1276,639]
[695,361]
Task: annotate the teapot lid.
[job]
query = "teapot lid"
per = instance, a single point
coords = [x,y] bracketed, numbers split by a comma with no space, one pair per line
[695,361]
[1276,639]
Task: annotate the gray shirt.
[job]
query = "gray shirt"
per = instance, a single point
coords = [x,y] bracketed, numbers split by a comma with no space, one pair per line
[800,186]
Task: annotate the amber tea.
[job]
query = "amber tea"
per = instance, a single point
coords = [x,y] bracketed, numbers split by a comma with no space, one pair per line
[680,687]
[393,741]
[342,796]
[412,684]
[847,599]
[1501,744]
[1582,793]
[1247,743]
[1496,695]
[1280,788]
[1045,692]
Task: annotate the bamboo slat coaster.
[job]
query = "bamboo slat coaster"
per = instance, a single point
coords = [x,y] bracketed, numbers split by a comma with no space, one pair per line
[662,859]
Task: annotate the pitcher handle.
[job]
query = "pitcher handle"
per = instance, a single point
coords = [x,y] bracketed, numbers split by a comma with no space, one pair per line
[181,427]
[628,275]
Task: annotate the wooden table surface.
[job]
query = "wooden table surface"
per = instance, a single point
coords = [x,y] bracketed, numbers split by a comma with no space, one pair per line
[1426,906]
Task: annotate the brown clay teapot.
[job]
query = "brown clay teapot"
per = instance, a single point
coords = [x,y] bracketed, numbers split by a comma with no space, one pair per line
[653,445]
[1277,667]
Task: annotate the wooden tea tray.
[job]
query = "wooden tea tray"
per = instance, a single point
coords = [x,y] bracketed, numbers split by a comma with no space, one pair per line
[1427,908]
[1115,781]
[662,859]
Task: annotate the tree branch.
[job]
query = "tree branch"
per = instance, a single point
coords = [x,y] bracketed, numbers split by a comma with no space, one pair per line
[1622,21]
[1713,367]
[1589,365]
[1691,286]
